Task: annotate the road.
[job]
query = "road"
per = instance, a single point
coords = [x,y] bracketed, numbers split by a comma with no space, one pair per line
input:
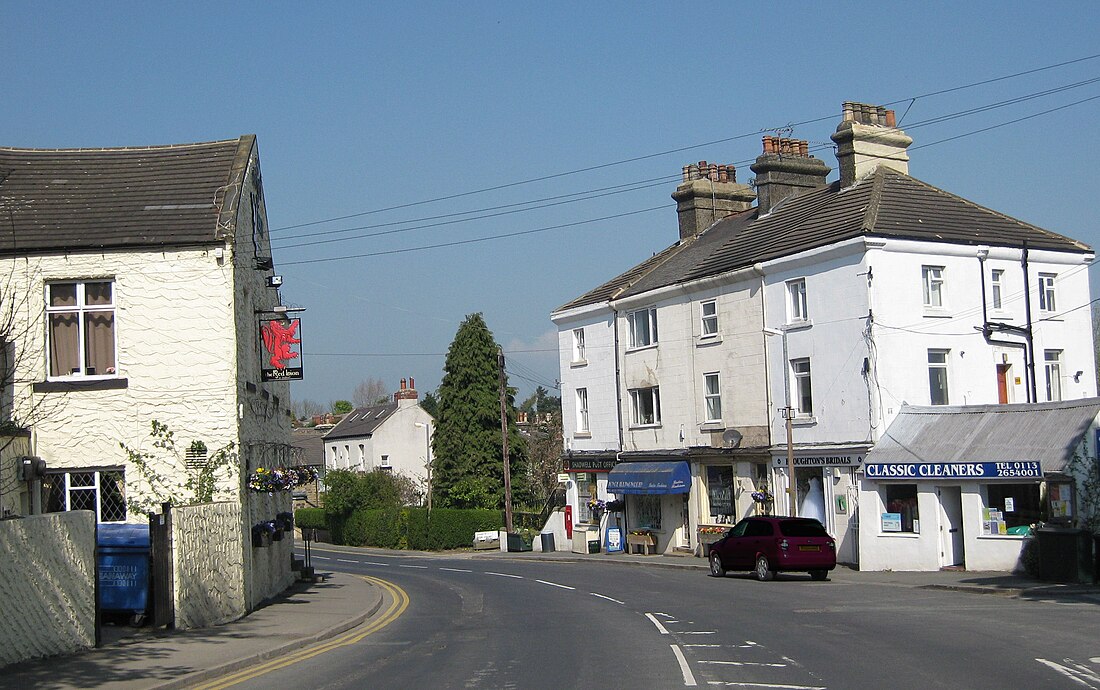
[504,623]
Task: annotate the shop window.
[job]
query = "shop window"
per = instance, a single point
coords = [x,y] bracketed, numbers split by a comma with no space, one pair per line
[586,489]
[720,492]
[1010,505]
[901,501]
[649,511]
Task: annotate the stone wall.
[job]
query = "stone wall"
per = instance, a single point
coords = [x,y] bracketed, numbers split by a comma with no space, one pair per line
[267,567]
[208,567]
[47,585]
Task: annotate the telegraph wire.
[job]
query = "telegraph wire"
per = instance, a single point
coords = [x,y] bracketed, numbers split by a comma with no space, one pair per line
[911,100]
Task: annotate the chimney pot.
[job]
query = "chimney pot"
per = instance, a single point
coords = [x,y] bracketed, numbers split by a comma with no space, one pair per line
[891,120]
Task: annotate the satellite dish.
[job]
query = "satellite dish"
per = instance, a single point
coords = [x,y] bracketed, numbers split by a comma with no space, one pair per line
[731,438]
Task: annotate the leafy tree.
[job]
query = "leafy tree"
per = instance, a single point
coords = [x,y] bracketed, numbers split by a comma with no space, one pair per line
[430,404]
[469,464]
[541,403]
[342,407]
[370,392]
[544,449]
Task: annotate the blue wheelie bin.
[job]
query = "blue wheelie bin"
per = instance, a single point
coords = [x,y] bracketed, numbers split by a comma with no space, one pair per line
[123,569]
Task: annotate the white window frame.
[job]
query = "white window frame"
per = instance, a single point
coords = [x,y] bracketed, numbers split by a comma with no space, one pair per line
[68,490]
[933,286]
[802,383]
[648,511]
[708,318]
[996,282]
[82,309]
[1052,366]
[384,463]
[939,362]
[582,411]
[578,346]
[643,327]
[1047,300]
[797,310]
[645,406]
[712,397]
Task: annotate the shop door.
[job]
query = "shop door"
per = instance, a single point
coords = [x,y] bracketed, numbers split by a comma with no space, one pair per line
[951,532]
[685,522]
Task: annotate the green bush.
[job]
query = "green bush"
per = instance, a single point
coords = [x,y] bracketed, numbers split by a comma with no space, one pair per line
[310,518]
[382,528]
[449,528]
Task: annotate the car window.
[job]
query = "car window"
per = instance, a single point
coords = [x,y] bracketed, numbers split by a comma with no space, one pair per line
[802,528]
[759,528]
[739,529]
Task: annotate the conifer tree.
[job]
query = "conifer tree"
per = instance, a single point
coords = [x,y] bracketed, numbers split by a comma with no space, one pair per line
[466,445]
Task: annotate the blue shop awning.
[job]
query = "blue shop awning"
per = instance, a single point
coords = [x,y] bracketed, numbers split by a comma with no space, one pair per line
[649,478]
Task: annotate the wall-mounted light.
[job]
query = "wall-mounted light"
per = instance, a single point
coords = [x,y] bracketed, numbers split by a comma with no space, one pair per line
[982,253]
[274,281]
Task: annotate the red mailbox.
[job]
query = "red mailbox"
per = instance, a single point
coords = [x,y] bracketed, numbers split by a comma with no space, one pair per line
[568,522]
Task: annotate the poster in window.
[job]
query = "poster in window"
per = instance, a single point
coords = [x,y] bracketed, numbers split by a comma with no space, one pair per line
[720,490]
[281,359]
[891,522]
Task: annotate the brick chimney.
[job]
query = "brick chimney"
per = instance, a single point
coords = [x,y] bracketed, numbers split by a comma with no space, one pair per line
[785,169]
[866,138]
[407,395]
[709,193]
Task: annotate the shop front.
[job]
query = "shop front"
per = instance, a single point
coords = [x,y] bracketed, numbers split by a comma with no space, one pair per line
[825,489]
[657,515]
[586,496]
[964,487]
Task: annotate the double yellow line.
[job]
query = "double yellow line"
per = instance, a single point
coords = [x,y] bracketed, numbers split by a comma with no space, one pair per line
[399,601]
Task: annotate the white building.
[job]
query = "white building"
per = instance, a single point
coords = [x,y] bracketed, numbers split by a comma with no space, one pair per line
[134,280]
[394,436]
[838,301]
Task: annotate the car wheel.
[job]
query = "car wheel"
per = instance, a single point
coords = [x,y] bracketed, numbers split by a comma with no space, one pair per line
[819,575]
[763,569]
[716,567]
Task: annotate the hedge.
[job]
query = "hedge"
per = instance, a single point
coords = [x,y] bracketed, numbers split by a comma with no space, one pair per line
[310,518]
[410,528]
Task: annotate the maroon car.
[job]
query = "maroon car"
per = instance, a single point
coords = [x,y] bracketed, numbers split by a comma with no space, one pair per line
[767,545]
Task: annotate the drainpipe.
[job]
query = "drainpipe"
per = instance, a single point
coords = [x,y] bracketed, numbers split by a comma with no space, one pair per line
[1029,335]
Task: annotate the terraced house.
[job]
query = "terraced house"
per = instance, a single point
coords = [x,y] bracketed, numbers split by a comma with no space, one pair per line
[772,346]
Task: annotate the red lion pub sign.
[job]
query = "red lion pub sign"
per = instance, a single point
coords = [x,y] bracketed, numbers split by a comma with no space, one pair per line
[282,357]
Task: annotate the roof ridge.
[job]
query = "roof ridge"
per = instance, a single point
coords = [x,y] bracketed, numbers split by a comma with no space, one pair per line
[151,147]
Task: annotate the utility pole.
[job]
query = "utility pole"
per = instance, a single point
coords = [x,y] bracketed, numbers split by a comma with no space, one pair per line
[504,443]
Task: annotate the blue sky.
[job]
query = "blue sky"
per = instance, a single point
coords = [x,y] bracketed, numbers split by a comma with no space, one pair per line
[363,107]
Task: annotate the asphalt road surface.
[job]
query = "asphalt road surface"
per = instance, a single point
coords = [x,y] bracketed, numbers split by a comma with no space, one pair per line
[502,623]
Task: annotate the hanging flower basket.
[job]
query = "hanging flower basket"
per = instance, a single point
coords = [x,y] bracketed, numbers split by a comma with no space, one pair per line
[272,479]
[262,534]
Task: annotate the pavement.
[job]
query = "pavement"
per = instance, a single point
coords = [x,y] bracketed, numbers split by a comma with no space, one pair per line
[313,611]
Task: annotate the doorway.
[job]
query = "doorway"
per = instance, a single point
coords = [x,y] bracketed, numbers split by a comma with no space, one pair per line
[1002,383]
[952,548]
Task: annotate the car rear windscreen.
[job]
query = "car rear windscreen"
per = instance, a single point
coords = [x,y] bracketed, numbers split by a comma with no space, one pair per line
[802,528]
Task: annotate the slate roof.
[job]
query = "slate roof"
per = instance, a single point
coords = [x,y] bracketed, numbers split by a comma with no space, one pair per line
[362,421]
[309,447]
[115,198]
[885,203]
[1047,432]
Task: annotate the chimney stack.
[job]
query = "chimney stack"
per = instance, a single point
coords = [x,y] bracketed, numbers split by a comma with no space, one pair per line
[709,192]
[407,395]
[785,169]
[866,138]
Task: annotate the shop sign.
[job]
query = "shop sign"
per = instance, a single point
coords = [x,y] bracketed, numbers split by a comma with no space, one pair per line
[614,540]
[841,460]
[891,522]
[954,470]
[589,464]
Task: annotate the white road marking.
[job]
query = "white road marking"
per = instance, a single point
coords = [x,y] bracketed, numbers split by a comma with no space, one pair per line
[374,563]
[456,570]
[658,613]
[323,558]
[608,598]
[346,560]
[555,584]
[653,619]
[518,577]
[698,632]
[423,567]
[689,679]
[779,686]
[1082,675]
[745,663]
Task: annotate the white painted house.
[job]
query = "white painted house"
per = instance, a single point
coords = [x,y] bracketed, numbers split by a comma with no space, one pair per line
[394,436]
[134,280]
[839,302]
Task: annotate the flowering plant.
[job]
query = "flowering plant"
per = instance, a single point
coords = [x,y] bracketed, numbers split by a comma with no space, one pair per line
[641,533]
[596,504]
[762,496]
[271,479]
[712,529]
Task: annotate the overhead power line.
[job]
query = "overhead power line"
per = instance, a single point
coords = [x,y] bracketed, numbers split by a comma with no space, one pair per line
[681,149]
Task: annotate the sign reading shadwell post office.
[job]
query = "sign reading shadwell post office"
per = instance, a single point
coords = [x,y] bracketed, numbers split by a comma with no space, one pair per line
[1027,469]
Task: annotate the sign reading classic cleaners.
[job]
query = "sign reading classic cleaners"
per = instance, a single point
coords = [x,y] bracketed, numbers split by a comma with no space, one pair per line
[954,470]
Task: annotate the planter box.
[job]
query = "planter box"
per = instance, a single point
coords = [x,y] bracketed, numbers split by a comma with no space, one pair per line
[645,543]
